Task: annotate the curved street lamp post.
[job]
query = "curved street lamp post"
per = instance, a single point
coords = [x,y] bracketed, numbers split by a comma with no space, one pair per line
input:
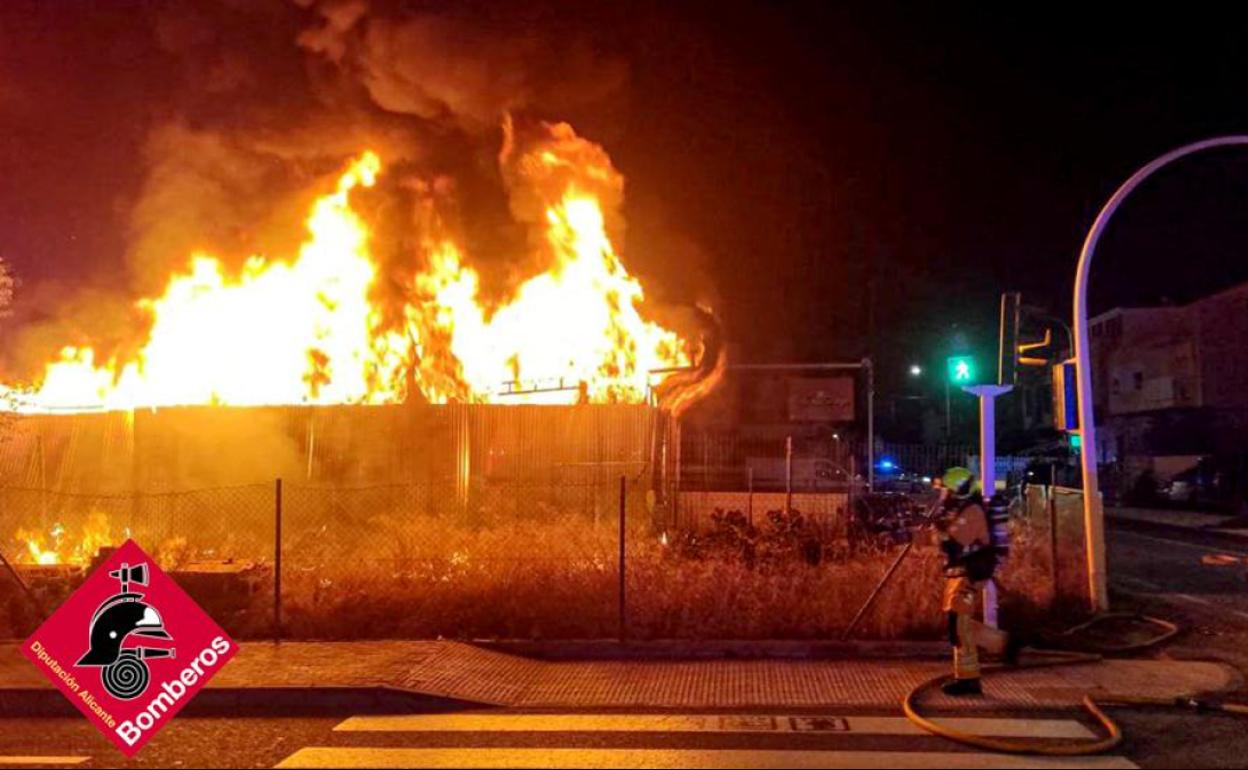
[1093,513]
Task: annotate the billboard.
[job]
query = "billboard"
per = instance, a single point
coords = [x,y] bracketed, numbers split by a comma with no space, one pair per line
[822,399]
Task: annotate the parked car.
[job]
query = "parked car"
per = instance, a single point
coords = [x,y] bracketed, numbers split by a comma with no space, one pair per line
[1215,482]
[810,474]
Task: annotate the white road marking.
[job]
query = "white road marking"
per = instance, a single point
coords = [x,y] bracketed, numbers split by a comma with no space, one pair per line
[1154,588]
[1194,599]
[1138,583]
[54,761]
[718,723]
[1180,543]
[347,757]
[1164,594]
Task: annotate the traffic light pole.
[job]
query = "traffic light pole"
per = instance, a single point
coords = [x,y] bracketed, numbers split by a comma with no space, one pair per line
[987,395]
[948,418]
[1093,513]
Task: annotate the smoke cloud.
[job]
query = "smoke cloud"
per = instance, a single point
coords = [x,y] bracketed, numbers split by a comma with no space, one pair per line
[250,107]
[467,65]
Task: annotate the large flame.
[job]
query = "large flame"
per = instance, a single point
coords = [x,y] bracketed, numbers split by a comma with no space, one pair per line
[306,331]
[57,546]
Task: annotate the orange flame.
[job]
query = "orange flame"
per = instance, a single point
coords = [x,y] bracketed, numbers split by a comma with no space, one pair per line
[57,547]
[306,331]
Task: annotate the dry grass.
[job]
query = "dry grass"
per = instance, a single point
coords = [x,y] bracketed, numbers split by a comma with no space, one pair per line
[557,579]
[552,576]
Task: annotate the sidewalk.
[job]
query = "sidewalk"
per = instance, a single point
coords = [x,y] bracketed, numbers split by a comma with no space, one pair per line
[452,674]
[1208,523]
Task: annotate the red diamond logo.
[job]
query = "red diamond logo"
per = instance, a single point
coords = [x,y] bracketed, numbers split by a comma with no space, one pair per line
[129,648]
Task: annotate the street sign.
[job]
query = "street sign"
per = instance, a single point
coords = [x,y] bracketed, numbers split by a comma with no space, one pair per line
[962,370]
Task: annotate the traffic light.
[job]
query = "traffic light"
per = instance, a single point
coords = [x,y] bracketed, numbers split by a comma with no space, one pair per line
[1065,397]
[1013,351]
[962,370]
[1007,353]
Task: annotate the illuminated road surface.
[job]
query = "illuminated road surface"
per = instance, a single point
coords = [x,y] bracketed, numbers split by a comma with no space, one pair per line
[1155,739]
[672,758]
[401,741]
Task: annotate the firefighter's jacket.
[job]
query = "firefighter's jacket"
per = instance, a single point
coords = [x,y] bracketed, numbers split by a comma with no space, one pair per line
[969,544]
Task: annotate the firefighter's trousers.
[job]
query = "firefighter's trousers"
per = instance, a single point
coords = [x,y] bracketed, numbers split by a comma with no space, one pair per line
[966,634]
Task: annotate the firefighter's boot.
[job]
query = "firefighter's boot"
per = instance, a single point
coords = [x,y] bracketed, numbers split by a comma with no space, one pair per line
[961,688]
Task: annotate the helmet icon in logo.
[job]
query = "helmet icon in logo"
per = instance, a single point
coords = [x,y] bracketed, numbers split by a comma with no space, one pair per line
[120,617]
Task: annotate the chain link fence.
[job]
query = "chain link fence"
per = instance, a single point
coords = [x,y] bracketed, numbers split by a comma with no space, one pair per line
[1051,521]
[588,553]
[519,558]
[223,523]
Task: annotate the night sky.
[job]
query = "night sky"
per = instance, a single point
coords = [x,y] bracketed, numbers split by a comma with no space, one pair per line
[817,171]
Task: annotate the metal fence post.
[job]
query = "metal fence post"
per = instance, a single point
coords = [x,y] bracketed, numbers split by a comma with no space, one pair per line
[749,500]
[788,475]
[623,596]
[277,560]
[1051,507]
[870,369]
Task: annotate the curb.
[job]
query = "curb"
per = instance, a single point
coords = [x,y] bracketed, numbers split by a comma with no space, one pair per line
[255,701]
[680,649]
[1206,532]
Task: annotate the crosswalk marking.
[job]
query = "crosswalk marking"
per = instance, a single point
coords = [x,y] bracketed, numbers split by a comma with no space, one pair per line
[471,759]
[722,723]
[32,760]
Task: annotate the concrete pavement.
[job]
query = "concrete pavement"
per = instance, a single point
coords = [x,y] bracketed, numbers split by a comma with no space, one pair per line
[456,672]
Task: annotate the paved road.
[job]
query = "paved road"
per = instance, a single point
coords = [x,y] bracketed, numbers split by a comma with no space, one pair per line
[518,739]
[1155,740]
[1197,579]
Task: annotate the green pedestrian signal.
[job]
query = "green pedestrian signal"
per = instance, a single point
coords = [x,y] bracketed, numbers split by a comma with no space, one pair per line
[962,370]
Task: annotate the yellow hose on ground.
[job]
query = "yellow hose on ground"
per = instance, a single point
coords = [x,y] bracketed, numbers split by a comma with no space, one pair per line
[1168,632]
[1112,739]
[1113,733]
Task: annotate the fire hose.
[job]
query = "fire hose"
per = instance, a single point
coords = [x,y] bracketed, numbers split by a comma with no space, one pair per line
[1052,658]
[1093,706]
[1113,733]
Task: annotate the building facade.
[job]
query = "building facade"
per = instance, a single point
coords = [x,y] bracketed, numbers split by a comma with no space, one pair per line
[1171,384]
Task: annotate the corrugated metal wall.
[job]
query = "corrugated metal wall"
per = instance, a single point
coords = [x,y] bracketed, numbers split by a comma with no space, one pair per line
[200,447]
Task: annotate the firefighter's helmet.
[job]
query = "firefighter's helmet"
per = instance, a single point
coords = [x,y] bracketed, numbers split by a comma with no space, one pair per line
[114,622]
[959,481]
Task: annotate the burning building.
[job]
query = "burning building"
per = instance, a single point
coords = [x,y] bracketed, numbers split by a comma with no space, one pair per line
[293,368]
[312,330]
[390,333]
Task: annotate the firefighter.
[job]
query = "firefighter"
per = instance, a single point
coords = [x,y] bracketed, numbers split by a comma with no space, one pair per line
[972,558]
